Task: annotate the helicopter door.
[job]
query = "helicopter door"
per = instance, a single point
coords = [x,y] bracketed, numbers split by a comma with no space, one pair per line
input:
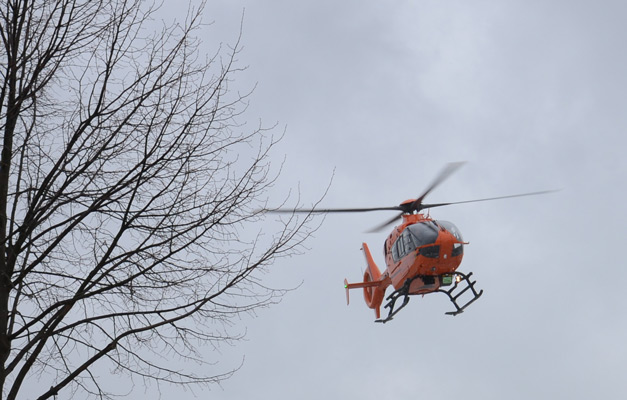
[398,249]
[405,244]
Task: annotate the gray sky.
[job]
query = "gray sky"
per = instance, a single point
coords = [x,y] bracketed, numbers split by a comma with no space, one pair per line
[385,93]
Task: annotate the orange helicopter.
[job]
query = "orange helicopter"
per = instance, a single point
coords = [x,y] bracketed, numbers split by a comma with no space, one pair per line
[422,255]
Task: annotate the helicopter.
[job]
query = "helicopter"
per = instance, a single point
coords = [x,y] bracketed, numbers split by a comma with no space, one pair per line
[421,254]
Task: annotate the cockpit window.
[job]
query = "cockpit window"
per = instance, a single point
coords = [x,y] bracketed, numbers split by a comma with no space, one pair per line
[458,248]
[424,232]
[416,235]
[449,226]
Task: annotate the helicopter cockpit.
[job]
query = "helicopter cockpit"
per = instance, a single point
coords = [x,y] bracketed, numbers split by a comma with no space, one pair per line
[449,226]
[421,235]
[417,235]
[458,248]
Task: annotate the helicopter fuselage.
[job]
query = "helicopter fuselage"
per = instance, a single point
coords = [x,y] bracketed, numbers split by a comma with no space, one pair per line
[422,255]
[424,248]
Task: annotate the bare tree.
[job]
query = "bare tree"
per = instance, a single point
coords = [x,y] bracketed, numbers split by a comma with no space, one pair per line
[126,185]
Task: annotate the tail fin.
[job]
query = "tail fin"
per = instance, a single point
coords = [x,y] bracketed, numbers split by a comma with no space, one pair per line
[373,285]
[375,274]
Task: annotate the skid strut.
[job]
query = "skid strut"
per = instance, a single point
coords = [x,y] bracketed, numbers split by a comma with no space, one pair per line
[451,293]
[454,296]
[403,291]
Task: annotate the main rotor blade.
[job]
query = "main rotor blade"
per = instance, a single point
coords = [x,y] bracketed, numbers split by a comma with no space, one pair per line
[424,206]
[444,174]
[332,210]
[385,224]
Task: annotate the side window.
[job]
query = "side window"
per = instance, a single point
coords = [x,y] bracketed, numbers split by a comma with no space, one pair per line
[404,245]
[400,247]
[395,251]
[408,242]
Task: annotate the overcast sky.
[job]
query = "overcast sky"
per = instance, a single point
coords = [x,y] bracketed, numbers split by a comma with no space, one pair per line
[381,95]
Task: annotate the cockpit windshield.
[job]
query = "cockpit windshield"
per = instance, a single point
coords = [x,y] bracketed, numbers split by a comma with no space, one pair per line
[449,226]
[458,248]
[424,233]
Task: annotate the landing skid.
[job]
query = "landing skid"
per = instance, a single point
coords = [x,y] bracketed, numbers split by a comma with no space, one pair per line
[453,297]
[404,292]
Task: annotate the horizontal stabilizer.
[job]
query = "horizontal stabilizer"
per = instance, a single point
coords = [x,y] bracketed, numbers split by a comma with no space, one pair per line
[359,285]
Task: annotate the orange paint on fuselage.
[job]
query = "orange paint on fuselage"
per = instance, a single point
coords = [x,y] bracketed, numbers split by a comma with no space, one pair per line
[419,251]
[415,264]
